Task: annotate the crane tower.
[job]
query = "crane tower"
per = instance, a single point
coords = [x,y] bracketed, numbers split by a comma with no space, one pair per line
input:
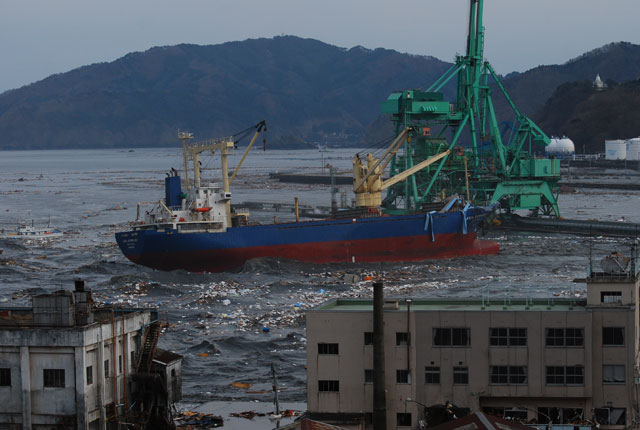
[481,163]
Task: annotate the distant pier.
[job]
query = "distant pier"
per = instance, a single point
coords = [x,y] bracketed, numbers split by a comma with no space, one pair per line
[348,180]
[629,186]
[311,179]
[570,226]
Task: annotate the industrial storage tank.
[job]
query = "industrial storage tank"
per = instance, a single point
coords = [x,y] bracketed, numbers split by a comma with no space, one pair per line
[563,147]
[615,149]
[633,149]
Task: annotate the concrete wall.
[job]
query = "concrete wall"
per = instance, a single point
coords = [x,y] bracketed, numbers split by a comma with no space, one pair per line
[47,403]
[11,397]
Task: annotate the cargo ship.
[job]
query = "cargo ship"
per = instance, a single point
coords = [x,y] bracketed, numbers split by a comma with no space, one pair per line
[196,229]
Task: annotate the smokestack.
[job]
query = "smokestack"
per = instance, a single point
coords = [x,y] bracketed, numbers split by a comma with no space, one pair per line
[79,284]
[379,389]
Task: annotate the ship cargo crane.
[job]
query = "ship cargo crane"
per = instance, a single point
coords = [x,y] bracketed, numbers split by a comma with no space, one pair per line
[192,151]
[367,179]
[499,170]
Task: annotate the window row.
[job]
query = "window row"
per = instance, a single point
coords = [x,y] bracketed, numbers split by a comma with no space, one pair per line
[518,375]
[500,336]
[55,378]
[460,375]
[503,375]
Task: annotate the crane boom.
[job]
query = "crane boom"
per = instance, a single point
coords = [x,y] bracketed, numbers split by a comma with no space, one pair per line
[383,161]
[259,127]
[367,180]
[404,175]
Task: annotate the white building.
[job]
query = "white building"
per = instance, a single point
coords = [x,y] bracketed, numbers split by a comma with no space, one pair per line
[65,363]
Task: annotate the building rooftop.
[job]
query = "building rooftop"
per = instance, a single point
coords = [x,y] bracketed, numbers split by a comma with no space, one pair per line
[491,304]
[165,357]
[23,317]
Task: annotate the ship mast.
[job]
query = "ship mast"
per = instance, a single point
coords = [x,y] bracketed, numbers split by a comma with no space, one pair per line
[184,137]
[193,151]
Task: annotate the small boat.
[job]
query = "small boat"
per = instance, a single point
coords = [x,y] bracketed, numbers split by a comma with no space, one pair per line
[196,229]
[26,231]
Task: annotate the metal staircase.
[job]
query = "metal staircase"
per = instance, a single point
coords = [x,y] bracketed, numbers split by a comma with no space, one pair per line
[145,357]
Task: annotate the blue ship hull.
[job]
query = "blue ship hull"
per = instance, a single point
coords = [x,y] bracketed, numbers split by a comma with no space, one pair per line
[381,238]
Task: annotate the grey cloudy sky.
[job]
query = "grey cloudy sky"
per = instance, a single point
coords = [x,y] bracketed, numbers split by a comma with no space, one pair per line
[42,37]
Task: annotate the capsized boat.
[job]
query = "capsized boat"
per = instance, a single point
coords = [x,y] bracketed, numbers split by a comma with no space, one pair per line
[196,230]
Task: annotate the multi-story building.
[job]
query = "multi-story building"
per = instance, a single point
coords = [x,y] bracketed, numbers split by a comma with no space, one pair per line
[556,359]
[65,363]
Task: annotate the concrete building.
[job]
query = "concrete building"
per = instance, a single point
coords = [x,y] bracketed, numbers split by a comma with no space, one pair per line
[556,359]
[65,363]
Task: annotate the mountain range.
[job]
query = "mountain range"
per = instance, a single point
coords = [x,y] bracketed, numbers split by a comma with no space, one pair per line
[307,90]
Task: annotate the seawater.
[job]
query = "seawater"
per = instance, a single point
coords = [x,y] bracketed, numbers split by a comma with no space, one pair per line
[218,321]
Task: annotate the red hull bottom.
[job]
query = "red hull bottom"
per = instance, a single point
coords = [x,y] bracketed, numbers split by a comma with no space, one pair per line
[413,248]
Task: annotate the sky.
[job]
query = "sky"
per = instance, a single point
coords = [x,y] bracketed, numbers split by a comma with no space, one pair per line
[42,37]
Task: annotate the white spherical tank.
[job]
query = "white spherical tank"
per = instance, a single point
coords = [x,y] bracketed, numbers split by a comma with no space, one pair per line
[551,147]
[633,151]
[567,146]
[615,149]
[562,146]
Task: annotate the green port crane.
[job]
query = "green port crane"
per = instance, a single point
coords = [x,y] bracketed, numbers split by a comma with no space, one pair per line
[487,168]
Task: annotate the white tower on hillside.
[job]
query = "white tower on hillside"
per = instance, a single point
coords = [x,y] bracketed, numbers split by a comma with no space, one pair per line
[598,84]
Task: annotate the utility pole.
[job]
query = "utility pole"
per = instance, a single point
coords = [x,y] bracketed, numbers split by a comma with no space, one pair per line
[275,389]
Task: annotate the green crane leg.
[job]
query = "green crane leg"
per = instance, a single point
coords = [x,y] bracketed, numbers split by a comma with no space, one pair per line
[529,192]
[444,160]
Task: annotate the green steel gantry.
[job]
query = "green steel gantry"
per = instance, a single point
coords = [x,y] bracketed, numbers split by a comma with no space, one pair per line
[488,168]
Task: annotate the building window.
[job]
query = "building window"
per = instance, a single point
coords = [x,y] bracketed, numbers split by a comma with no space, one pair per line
[327,348]
[368,338]
[501,336]
[5,377]
[403,376]
[461,375]
[368,418]
[611,416]
[451,337]
[403,419]
[613,336]
[106,368]
[574,337]
[120,363]
[133,359]
[611,296]
[368,376]
[565,375]
[560,415]
[329,386]
[89,375]
[402,339]
[613,374]
[53,378]
[508,375]
[432,375]
[564,337]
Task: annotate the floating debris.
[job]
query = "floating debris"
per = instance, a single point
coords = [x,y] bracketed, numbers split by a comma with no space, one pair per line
[241,385]
[247,414]
[190,420]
